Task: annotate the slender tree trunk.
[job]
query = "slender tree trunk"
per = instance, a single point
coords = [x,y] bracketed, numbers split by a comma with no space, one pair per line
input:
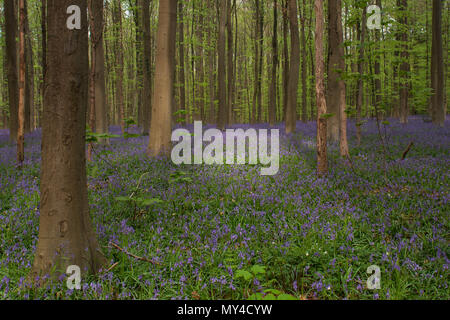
[285,57]
[273,83]
[22,63]
[161,126]
[147,92]
[29,75]
[100,108]
[222,116]
[335,59]
[360,85]
[437,67]
[181,75]
[404,66]
[11,57]
[322,162]
[304,67]
[44,54]
[291,113]
[66,235]
[117,20]
[230,62]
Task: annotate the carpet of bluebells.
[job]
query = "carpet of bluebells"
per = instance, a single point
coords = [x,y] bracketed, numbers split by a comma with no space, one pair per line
[225,232]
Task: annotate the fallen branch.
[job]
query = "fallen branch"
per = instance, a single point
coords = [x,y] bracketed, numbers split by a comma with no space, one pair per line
[133,255]
[407,150]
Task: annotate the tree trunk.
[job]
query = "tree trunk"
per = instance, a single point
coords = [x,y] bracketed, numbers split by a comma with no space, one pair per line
[221,72]
[161,125]
[322,162]
[117,20]
[101,119]
[66,236]
[22,69]
[437,67]
[273,83]
[147,92]
[404,66]
[304,67]
[360,86]
[335,67]
[181,75]
[11,57]
[291,112]
[29,75]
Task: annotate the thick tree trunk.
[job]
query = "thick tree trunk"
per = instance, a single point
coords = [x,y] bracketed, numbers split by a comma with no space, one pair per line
[322,162]
[66,236]
[437,67]
[11,57]
[291,112]
[161,125]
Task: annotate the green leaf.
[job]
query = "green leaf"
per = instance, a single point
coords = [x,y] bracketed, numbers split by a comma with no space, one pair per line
[256,296]
[244,274]
[257,269]
[124,199]
[274,291]
[285,296]
[149,202]
[269,297]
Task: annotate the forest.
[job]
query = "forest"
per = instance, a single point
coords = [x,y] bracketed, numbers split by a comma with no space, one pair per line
[118,123]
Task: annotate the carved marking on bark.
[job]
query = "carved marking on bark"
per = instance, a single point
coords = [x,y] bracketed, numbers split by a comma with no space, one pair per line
[63,228]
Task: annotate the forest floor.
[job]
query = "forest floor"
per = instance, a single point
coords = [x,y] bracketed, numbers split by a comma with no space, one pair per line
[225,232]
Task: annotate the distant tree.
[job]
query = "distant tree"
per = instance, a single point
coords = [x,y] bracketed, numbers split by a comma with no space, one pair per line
[222,117]
[11,58]
[22,69]
[438,107]
[273,83]
[322,162]
[294,69]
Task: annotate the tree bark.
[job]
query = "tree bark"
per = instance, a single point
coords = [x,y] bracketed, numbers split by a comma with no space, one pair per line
[147,92]
[66,235]
[22,69]
[291,112]
[273,83]
[161,125]
[11,57]
[360,85]
[101,118]
[222,116]
[322,162]
[437,67]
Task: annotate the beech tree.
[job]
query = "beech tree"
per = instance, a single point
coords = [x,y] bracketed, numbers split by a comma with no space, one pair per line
[163,99]
[11,59]
[66,235]
[438,107]
[291,111]
[322,161]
